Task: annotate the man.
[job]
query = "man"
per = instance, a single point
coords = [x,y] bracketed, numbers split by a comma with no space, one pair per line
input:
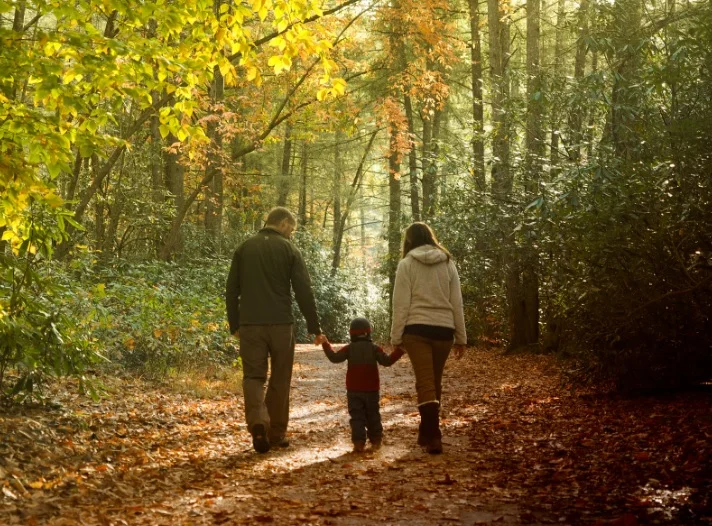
[264,270]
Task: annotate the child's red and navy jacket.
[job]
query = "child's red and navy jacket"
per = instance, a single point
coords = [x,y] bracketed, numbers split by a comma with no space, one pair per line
[363,357]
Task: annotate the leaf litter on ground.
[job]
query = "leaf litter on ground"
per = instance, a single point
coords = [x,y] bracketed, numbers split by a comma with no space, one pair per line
[520,448]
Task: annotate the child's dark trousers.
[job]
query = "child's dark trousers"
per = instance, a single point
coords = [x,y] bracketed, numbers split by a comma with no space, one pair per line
[365,415]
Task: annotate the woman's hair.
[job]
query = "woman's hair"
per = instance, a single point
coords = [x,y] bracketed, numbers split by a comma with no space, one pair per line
[419,234]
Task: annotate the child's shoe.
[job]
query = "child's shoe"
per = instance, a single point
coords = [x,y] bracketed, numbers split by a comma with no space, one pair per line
[359,446]
[376,443]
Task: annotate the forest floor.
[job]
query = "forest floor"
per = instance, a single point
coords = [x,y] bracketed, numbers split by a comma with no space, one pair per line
[520,448]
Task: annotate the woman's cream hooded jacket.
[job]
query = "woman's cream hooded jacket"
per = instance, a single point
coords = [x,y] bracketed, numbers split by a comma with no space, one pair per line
[427,291]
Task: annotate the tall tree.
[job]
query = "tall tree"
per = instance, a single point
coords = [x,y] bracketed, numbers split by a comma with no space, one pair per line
[412,159]
[478,127]
[557,83]
[626,84]
[284,184]
[499,45]
[523,273]
[577,116]
[214,169]
[303,183]
[337,174]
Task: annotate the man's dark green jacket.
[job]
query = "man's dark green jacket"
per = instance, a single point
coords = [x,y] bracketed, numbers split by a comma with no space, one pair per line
[265,268]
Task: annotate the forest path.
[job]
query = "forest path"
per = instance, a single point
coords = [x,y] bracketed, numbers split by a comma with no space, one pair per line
[519,449]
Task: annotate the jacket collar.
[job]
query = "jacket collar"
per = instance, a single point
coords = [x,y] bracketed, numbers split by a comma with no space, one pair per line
[269,229]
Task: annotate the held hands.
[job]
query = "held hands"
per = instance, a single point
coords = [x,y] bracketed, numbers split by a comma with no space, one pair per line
[320,338]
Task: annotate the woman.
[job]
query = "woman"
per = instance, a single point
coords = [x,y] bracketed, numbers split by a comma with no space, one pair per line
[427,320]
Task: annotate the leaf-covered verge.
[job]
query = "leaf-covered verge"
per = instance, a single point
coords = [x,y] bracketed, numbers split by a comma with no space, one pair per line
[520,448]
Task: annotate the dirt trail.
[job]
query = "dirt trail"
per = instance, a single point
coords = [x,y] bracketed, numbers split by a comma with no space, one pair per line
[519,449]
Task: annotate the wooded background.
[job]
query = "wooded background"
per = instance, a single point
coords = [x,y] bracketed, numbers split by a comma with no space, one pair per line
[560,150]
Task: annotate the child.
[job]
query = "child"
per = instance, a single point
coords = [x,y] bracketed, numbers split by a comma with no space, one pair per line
[362,382]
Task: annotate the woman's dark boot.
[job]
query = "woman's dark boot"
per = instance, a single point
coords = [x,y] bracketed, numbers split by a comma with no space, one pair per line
[429,434]
[423,438]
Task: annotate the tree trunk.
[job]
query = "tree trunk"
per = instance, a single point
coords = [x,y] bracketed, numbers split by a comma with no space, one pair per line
[175,183]
[431,136]
[412,159]
[478,143]
[18,26]
[214,170]
[284,180]
[523,304]
[394,208]
[522,282]
[626,92]
[115,211]
[303,185]
[426,162]
[99,208]
[534,140]
[591,113]
[498,21]
[557,85]
[336,186]
[576,114]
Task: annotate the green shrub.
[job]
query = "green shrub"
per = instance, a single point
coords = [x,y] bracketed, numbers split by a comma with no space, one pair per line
[39,338]
[155,317]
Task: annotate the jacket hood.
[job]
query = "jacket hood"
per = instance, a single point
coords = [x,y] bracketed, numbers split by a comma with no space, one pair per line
[428,254]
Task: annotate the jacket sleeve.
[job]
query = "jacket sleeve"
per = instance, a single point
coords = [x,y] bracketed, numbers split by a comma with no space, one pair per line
[388,359]
[232,293]
[401,302]
[301,284]
[457,307]
[335,357]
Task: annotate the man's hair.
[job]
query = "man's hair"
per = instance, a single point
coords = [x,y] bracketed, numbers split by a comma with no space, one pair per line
[279,214]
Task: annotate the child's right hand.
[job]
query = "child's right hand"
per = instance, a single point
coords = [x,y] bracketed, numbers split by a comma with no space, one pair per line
[321,338]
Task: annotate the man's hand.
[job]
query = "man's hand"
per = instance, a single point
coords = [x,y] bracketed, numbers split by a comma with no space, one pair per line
[320,338]
[459,350]
[236,334]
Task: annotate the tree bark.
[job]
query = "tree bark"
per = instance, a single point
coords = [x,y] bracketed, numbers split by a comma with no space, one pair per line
[214,187]
[478,143]
[431,136]
[336,186]
[426,162]
[557,84]
[303,185]
[99,209]
[522,282]
[394,208]
[576,114]
[115,211]
[625,96]
[284,182]
[497,15]
[412,159]
[535,102]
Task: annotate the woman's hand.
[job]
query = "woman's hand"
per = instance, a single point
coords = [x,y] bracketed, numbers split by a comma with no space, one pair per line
[459,350]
